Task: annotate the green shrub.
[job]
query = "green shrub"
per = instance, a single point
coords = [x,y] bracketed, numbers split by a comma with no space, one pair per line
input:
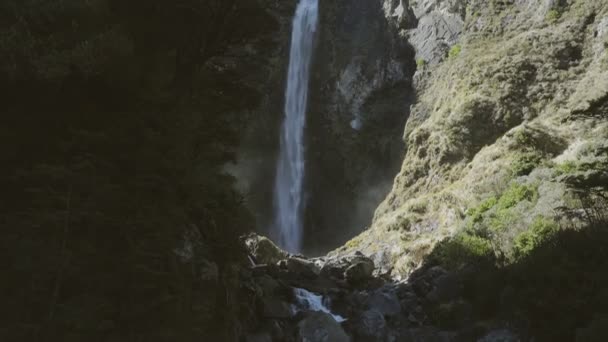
[502,220]
[553,15]
[476,213]
[566,168]
[525,163]
[455,51]
[501,216]
[541,229]
[462,249]
[421,63]
[523,137]
[517,193]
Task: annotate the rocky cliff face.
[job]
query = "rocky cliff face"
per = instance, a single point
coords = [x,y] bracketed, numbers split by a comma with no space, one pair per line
[511,111]
[359,102]
[360,98]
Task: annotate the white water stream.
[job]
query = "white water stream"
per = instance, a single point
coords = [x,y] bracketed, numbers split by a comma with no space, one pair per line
[312,302]
[288,195]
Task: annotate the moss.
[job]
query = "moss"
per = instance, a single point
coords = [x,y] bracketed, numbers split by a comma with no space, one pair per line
[455,51]
[540,230]
[421,63]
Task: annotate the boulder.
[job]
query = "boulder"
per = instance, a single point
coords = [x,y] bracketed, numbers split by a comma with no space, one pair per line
[303,267]
[385,301]
[276,308]
[353,268]
[263,250]
[355,265]
[320,327]
[446,287]
[360,270]
[370,326]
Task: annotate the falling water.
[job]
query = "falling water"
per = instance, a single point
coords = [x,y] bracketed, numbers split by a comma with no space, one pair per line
[308,301]
[290,167]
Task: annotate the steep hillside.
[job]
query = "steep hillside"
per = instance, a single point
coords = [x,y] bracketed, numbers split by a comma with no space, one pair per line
[508,140]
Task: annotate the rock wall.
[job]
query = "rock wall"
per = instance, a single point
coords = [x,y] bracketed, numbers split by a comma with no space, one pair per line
[359,101]
[360,98]
[511,96]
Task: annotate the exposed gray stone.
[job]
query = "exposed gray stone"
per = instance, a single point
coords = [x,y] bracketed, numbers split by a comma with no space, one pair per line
[264,250]
[303,267]
[320,327]
[385,301]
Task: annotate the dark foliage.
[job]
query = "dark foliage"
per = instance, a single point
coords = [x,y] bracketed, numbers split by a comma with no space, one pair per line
[556,292]
[116,123]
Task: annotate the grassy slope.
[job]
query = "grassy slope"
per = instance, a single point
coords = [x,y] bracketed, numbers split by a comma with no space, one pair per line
[521,106]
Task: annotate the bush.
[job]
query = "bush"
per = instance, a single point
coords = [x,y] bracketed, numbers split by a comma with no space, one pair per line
[553,15]
[421,63]
[540,230]
[455,51]
[476,213]
[517,193]
[526,163]
[462,249]
[566,168]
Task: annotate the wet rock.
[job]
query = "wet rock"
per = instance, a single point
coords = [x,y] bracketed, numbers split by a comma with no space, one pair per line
[370,326]
[320,327]
[276,308]
[263,250]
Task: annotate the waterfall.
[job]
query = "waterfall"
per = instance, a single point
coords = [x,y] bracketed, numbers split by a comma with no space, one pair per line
[312,302]
[288,196]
